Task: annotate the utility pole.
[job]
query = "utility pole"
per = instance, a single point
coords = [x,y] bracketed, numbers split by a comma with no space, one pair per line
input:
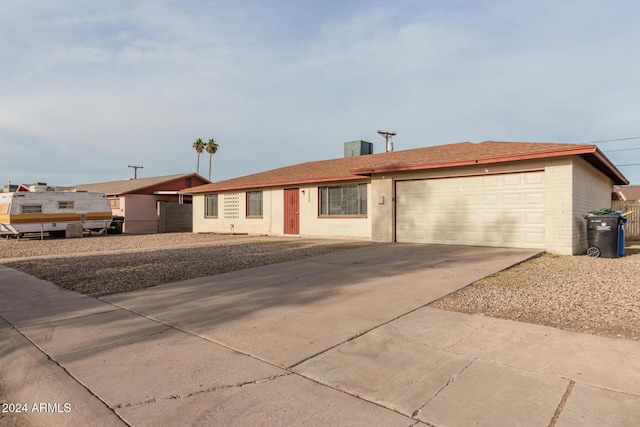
[387,137]
[135,171]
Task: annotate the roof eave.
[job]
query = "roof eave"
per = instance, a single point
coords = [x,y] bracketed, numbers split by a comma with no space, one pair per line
[610,170]
[479,161]
[213,189]
[145,187]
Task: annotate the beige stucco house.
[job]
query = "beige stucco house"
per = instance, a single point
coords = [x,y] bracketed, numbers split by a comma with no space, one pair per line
[138,200]
[507,194]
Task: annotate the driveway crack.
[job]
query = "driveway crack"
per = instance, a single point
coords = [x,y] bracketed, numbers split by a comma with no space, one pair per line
[186,395]
[452,379]
[562,403]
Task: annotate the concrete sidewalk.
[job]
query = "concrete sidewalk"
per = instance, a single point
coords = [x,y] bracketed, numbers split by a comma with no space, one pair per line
[341,339]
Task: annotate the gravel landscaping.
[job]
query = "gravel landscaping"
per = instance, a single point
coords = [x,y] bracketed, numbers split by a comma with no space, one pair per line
[115,267]
[599,296]
[590,295]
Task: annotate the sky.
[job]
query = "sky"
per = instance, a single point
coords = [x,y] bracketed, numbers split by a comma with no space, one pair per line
[88,88]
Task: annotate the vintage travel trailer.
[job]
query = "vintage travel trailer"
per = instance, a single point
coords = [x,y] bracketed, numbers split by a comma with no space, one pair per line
[42,209]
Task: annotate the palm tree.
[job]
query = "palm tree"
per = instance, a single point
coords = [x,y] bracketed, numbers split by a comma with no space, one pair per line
[199,147]
[212,148]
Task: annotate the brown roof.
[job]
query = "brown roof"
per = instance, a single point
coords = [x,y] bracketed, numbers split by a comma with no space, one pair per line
[440,156]
[143,185]
[629,192]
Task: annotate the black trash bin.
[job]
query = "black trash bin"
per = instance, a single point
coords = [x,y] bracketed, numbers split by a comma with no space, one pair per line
[605,235]
[116,225]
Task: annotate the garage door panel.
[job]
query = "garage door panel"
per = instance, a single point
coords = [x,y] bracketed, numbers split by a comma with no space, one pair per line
[490,219]
[515,180]
[514,218]
[490,181]
[470,235]
[534,179]
[512,199]
[491,200]
[495,210]
[534,219]
[534,200]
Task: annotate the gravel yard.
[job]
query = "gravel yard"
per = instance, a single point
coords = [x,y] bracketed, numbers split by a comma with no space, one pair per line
[98,266]
[599,296]
[34,247]
[590,295]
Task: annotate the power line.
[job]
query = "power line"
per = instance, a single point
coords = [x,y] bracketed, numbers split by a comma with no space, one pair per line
[630,164]
[612,140]
[622,149]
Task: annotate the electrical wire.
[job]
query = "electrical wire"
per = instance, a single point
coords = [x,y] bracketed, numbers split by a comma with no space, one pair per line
[612,140]
[622,149]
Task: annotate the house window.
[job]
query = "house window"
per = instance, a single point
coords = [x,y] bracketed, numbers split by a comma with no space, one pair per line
[65,205]
[114,203]
[254,203]
[211,205]
[345,200]
[31,209]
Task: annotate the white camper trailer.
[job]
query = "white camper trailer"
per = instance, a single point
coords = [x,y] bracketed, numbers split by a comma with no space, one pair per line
[41,209]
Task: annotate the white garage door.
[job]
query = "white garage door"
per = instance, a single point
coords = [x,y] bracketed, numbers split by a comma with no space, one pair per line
[492,210]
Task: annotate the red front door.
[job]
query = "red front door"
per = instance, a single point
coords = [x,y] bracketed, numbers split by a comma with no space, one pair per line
[291,211]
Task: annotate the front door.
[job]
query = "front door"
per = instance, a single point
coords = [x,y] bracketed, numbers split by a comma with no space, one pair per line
[291,211]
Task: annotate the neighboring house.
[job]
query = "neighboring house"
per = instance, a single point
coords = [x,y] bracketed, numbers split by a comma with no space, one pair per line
[627,199]
[138,200]
[627,193]
[508,194]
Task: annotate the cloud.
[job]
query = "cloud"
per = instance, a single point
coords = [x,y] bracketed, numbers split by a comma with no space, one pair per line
[281,82]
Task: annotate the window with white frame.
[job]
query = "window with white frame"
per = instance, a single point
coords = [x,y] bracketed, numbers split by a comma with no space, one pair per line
[211,205]
[254,203]
[343,200]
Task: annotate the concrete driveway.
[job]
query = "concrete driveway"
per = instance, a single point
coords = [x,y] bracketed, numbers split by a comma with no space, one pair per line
[340,339]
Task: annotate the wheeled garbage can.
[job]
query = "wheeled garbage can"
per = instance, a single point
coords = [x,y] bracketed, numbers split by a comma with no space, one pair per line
[116,225]
[605,235]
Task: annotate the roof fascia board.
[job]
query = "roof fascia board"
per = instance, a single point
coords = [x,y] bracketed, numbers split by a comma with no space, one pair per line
[530,156]
[601,157]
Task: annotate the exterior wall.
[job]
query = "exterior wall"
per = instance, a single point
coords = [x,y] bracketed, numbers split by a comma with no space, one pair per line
[232,216]
[573,188]
[140,211]
[382,209]
[558,207]
[140,214]
[591,191]
[312,225]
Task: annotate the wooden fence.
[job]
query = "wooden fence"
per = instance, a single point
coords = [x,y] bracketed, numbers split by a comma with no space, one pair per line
[632,230]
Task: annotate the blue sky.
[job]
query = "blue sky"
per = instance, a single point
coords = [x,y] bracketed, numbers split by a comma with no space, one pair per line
[90,87]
